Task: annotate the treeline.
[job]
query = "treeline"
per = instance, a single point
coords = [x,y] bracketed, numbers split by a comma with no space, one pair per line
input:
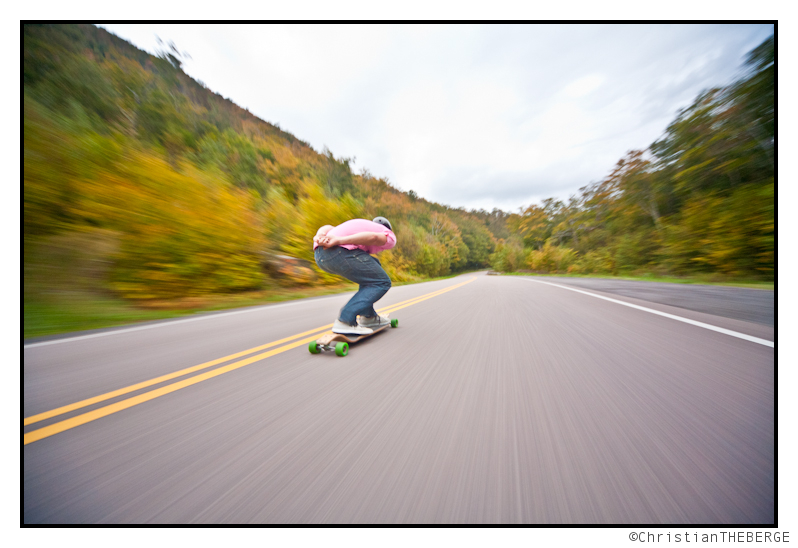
[188,194]
[698,200]
[179,192]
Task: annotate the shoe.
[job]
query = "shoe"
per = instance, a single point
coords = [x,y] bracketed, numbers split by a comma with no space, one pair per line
[374,322]
[344,329]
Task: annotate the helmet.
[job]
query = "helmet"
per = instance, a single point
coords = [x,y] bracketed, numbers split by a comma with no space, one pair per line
[384,222]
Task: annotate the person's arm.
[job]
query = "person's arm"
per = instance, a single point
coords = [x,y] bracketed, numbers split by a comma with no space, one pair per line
[369,239]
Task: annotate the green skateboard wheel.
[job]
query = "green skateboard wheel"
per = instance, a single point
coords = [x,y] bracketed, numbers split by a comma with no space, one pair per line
[341,349]
[314,348]
[394,322]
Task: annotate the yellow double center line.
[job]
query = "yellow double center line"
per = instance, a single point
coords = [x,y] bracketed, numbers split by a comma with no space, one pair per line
[61,426]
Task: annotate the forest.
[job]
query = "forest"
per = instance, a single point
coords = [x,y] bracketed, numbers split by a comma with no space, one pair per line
[699,200]
[153,187]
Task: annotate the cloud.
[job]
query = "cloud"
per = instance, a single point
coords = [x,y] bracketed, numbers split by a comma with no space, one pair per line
[583,86]
[468,115]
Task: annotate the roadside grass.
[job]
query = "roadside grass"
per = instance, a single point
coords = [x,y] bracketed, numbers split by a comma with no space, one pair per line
[708,279]
[61,312]
[50,309]
[64,289]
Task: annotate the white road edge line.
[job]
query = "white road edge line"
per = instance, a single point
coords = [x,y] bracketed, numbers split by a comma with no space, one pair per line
[743,336]
[167,322]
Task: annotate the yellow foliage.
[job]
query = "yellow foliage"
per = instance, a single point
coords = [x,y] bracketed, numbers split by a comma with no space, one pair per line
[313,211]
[397,267]
[278,215]
[551,258]
[183,235]
[732,234]
[285,169]
[392,205]
[448,234]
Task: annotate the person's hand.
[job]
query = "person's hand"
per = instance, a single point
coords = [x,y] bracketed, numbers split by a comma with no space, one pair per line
[329,241]
[321,233]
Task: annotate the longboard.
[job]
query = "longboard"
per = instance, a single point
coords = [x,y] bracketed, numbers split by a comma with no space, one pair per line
[340,343]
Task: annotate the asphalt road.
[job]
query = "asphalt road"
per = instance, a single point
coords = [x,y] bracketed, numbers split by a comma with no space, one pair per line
[501,400]
[751,305]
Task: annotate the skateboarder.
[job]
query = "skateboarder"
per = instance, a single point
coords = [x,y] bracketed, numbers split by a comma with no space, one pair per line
[345,250]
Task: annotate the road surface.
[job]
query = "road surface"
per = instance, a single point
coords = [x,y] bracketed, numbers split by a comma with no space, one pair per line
[498,399]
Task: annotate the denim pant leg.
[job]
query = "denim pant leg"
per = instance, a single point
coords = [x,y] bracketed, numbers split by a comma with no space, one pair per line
[357,266]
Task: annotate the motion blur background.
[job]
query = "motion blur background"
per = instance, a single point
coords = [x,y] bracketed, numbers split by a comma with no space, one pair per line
[147,194]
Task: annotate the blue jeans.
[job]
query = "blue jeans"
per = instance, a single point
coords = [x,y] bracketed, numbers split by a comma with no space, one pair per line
[357,266]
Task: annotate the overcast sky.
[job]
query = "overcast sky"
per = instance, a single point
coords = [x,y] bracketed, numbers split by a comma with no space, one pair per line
[474,116]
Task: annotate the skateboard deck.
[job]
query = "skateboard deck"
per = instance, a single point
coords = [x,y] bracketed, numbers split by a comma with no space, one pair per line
[339,343]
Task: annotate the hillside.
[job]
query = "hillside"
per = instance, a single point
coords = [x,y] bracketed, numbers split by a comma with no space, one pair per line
[183,193]
[142,184]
